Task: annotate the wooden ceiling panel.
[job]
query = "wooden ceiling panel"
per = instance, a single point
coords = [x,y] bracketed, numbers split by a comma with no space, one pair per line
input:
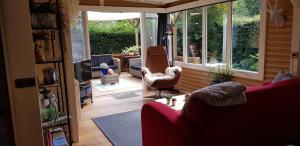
[119,3]
[176,3]
[90,2]
[132,3]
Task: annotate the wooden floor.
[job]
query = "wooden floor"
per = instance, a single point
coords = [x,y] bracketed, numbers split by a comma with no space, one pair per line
[104,105]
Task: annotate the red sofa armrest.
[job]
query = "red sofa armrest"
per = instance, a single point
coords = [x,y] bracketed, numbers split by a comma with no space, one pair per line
[160,126]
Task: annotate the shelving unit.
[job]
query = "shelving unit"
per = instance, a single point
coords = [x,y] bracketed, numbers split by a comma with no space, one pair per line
[49,49]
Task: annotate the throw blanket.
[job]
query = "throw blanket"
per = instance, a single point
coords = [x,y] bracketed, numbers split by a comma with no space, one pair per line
[150,78]
[223,94]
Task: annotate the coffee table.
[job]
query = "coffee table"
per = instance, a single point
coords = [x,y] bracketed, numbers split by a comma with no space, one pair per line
[179,103]
[110,79]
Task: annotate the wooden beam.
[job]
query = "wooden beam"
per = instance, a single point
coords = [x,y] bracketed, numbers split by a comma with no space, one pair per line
[176,3]
[119,3]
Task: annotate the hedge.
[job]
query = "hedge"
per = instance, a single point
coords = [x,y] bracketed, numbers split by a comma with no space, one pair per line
[110,37]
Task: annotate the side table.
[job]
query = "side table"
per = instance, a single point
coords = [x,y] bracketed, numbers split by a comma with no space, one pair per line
[110,79]
[179,103]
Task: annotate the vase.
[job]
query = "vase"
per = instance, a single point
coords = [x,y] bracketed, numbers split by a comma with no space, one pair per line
[104,71]
[173,102]
[131,53]
[168,101]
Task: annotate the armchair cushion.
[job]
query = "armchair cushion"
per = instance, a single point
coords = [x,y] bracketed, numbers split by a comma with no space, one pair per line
[169,75]
[96,68]
[136,67]
[114,66]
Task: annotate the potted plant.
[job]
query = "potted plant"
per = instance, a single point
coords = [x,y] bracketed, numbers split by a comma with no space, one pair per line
[174,100]
[222,75]
[131,50]
[104,68]
[168,97]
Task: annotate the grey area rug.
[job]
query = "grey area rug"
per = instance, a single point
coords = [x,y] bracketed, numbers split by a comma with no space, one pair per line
[125,95]
[122,129]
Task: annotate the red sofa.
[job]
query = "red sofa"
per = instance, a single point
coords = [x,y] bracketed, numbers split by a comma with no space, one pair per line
[271,117]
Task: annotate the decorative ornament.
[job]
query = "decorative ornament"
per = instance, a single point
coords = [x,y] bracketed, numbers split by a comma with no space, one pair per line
[276,14]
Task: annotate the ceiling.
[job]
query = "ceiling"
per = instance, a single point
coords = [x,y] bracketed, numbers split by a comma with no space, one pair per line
[135,3]
[158,2]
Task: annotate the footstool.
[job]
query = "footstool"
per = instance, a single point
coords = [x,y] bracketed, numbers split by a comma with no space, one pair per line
[110,79]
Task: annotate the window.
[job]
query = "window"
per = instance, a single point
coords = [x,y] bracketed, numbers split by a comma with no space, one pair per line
[245,29]
[194,35]
[151,29]
[178,39]
[216,34]
[78,41]
[221,35]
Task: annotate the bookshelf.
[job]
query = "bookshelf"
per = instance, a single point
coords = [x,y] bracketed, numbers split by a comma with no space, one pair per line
[49,48]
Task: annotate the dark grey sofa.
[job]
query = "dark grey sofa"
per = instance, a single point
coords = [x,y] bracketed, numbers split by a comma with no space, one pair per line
[113,63]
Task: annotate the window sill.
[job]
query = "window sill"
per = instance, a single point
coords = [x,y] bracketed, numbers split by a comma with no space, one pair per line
[237,73]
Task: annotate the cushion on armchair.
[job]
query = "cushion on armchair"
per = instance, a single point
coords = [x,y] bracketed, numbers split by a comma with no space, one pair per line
[136,67]
[113,66]
[96,68]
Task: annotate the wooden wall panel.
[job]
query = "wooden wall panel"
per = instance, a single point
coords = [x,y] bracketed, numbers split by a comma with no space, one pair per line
[192,80]
[277,55]
[278,42]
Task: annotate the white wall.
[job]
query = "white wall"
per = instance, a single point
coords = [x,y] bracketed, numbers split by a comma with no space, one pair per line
[20,63]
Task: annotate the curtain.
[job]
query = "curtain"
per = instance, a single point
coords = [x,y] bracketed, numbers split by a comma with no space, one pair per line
[162,29]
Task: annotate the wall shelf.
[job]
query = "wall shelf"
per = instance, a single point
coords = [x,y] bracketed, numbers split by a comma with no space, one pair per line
[61,120]
[41,85]
[53,60]
[48,43]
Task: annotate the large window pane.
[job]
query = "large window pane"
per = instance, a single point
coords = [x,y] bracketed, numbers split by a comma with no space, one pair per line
[178,39]
[216,34]
[245,43]
[78,49]
[194,35]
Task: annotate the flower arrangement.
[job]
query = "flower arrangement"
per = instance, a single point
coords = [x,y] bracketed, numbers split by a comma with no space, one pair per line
[104,68]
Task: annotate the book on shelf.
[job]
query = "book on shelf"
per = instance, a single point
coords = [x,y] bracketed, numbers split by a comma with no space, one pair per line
[59,138]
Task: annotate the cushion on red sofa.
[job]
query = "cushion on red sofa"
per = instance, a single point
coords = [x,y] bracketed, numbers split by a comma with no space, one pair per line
[270,117]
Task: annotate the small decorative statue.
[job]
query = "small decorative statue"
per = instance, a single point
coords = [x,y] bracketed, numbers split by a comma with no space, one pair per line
[50,76]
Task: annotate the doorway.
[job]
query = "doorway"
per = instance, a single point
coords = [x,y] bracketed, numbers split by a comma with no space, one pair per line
[6,127]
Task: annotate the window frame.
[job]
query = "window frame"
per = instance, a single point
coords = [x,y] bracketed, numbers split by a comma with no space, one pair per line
[259,75]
